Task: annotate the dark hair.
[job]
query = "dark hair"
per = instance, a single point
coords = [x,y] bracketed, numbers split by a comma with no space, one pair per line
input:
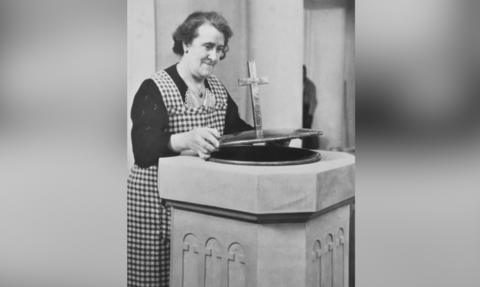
[188,30]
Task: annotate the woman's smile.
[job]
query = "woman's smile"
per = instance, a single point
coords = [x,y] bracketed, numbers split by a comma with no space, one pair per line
[209,64]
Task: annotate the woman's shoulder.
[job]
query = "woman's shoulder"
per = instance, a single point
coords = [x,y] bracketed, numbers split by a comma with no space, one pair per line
[149,85]
[212,79]
[158,75]
[166,75]
[216,86]
[170,71]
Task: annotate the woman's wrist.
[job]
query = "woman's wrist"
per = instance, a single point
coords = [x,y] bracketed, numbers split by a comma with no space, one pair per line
[178,142]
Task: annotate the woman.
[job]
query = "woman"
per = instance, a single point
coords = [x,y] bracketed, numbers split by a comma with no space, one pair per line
[183,107]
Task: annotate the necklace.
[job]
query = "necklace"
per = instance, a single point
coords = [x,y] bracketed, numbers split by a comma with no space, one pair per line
[205,98]
[198,91]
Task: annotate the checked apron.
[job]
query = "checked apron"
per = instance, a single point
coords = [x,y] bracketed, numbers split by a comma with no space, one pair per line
[148,226]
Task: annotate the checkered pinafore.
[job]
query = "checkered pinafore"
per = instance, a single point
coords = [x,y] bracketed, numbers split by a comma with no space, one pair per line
[148,227]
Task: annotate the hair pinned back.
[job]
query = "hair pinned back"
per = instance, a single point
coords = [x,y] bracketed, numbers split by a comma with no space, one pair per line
[188,30]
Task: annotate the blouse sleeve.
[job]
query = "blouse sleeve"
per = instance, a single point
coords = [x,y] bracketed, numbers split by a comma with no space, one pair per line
[150,136]
[233,122]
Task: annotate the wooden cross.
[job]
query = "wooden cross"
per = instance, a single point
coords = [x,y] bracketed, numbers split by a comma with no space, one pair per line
[254,81]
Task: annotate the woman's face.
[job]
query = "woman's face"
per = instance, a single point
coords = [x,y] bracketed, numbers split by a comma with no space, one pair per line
[204,52]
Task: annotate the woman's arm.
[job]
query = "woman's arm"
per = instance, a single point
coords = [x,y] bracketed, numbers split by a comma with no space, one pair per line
[150,136]
[233,122]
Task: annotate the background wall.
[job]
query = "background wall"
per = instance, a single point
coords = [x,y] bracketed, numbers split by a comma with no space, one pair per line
[329,57]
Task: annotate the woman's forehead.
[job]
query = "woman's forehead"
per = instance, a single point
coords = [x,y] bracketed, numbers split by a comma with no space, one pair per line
[208,33]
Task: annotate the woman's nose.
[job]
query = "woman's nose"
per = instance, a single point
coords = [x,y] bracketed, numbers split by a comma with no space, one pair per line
[213,54]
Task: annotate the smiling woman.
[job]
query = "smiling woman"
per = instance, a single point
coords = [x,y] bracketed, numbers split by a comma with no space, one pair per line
[184,107]
[201,56]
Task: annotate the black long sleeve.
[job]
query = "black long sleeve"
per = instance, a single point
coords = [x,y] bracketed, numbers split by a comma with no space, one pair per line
[233,122]
[150,136]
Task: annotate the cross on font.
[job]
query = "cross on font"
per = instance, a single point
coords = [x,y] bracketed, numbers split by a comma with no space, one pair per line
[253,81]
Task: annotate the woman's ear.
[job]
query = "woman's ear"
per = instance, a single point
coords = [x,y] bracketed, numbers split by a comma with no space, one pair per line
[185,48]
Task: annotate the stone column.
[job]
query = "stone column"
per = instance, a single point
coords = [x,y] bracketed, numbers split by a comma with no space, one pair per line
[325,33]
[275,30]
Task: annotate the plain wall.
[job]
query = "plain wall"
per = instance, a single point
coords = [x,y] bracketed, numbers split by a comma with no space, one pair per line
[329,57]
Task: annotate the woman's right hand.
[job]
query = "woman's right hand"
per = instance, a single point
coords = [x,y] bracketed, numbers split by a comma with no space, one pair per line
[201,140]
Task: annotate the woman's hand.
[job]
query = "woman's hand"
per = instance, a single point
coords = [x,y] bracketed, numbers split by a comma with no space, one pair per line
[202,141]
